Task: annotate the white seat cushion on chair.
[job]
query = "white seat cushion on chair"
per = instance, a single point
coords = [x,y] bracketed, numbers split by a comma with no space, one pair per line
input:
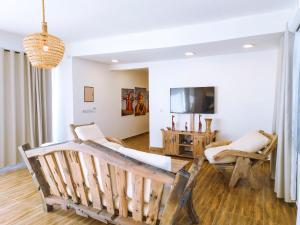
[251,142]
[89,132]
[211,152]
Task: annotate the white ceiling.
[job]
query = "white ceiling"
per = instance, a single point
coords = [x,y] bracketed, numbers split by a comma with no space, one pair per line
[74,20]
[262,42]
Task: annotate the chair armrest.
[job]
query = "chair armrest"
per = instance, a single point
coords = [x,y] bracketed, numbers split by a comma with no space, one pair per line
[115,140]
[238,153]
[218,143]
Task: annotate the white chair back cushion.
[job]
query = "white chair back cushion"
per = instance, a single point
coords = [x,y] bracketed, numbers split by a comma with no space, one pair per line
[251,142]
[89,132]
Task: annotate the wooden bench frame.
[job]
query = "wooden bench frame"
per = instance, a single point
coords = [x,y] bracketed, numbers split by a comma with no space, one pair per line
[42,164]
[246,161]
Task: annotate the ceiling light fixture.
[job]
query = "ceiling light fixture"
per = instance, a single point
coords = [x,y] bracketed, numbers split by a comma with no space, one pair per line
[114,61]
[44,50]
[189,53]
[248,45]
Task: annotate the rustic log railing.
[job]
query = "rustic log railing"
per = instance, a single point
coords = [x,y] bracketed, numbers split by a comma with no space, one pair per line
[93,180]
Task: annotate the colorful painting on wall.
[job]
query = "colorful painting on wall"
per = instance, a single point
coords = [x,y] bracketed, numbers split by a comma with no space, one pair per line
[141,104]
[127,99]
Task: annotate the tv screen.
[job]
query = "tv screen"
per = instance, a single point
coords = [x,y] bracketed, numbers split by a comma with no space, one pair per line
[193,100]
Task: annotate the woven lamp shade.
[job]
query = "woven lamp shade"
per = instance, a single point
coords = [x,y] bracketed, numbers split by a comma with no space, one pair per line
[44,51]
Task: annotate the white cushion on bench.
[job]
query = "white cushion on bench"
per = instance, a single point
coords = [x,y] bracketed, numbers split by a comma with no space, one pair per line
[251,142]
[89,132]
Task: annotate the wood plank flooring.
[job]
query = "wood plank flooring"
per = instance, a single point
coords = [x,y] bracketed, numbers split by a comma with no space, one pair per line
[215,203]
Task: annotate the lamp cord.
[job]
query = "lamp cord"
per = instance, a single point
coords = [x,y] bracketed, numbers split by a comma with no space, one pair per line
[43,8]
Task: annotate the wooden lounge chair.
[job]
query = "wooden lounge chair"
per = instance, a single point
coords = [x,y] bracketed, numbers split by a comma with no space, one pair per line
[94,181]
[240,161]
[109,138]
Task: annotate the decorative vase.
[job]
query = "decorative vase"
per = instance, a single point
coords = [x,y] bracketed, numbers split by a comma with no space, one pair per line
[199,124]
[208,125]
[186,126]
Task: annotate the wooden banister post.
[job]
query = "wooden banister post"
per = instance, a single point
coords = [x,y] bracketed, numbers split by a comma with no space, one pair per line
[174,203]
[34,168]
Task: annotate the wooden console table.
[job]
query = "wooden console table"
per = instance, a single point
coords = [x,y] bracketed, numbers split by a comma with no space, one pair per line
[188,144]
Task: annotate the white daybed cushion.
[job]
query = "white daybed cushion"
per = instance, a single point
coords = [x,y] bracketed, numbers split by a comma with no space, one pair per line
[89,132]
[92,132]
[251,142]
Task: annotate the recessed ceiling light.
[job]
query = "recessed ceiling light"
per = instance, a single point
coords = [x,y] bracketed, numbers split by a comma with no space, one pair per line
[114,61]
[248,45]
[189,53]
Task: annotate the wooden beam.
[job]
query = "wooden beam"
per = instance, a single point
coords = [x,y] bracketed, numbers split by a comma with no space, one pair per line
[67,173]
[77,175]
[173,204]
[154,204]
[121,189]
[138,198]
[93,181]
[112,157]
[38,178]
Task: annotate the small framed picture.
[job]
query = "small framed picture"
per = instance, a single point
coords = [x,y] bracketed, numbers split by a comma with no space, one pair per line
[88,94]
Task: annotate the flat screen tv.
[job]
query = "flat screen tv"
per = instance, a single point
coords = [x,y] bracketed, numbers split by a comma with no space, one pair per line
[192,100]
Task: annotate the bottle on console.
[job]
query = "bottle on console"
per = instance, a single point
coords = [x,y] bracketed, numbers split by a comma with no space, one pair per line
[199,124]
[173,123]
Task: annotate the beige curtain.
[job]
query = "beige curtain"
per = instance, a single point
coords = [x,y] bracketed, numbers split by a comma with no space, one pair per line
[25,105]
[285,158]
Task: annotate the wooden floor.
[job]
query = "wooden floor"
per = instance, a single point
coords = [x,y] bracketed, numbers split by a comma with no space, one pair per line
[215,203]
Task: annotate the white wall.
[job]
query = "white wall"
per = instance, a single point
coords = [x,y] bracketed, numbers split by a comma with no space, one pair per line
[245,91]
[11,41]
[106,110]
[62,100]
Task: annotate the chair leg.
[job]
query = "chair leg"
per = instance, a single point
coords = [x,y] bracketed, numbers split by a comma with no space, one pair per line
[191,210]
[252,180]
[241,170]
[234,177]
[47,208]
[221,170]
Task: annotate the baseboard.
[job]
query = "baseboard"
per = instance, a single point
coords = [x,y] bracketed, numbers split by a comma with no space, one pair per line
[156,149]
[124,139]
[10,168]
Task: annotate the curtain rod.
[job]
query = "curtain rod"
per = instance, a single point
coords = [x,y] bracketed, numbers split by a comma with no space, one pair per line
[7,50]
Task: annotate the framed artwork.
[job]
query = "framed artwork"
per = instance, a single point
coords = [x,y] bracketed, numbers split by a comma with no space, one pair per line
[127,100]
[88,94]
[141,105]
[147,101]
